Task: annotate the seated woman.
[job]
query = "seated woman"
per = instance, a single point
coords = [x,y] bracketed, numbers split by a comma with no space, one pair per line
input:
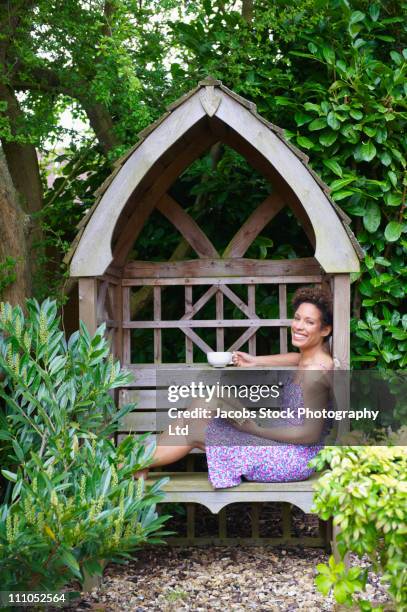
[280,453]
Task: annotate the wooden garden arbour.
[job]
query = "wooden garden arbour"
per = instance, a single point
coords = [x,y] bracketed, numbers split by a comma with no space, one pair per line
[208,114]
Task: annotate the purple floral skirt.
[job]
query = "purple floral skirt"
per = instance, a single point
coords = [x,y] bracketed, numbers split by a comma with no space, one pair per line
[232,453]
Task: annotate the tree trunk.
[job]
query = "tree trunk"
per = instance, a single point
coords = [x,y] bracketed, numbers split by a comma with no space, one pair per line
[22,165]
[22,159]
[247,10]
[102,124]
[13,243]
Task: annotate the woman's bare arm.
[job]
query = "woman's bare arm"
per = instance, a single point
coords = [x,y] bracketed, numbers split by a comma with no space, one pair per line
[308,433]
[245,360]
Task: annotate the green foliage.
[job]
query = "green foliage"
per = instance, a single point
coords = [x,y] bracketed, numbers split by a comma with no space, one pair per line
[70,500]
[7,273]
[365,492]
[329,73]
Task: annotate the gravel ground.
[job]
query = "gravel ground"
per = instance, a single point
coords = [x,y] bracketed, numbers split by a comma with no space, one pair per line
[263,578]
[165,579]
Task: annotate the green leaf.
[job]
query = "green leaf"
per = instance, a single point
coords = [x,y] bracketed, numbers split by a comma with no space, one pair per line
[69,560]
[393,199]
[312,106]
[18,451]
[333,121]
[323,584]
[393,231]
[369,131]
[329,55]
[393,177]
[386,38]
[9,475]
[374,11]
[396,57]
[372,216]
[305,142]
[327,139]
[357,16]
[301,118]
[339,183]
[340,195]
[385,158]
[367,151]
[356,114]
[317,124]
[334,166]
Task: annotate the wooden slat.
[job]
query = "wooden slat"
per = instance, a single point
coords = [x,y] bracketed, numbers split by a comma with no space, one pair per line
[189,346]
[251,301]
[189,229]
[282,303]
[141,421]
[236,300]
[157,331]
[149,399]
[191,323]
[243,338]
[152,438]
[221,280]
[88,303]
[254,225]
[221,267]
[125,319]
[199,303]
[197,340]
[220,332]
[198,481]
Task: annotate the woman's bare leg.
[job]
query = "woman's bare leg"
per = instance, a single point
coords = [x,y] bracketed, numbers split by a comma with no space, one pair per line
[172,448]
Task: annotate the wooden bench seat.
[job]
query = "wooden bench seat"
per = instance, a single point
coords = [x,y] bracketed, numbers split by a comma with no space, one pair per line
[194,487]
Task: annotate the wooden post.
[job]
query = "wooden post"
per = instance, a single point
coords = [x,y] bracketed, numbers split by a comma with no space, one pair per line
[251,302]
[222,524]
[341,356]
[286,517]
[341,323]
[282,304]
[220,332]
[189,347]
[88,303]
[118,315]
[255,515]
[125,319]
[157,331]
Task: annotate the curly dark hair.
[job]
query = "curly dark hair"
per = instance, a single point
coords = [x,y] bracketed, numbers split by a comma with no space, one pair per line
[321,298]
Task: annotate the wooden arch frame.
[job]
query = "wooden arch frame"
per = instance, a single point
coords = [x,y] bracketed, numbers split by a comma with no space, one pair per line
[93,253]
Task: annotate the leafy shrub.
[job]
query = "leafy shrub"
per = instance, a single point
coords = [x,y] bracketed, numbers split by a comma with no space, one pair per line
[71,500]
[365,491]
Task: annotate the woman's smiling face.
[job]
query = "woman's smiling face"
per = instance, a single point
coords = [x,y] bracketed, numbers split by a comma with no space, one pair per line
[306,328]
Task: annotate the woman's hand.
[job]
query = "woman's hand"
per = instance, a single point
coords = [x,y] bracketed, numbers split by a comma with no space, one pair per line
[243,360]
[247,426]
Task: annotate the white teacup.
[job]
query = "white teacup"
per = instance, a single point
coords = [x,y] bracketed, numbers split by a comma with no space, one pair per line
[219,359]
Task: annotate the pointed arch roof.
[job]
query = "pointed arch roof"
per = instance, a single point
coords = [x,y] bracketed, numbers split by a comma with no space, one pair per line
[336,248]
